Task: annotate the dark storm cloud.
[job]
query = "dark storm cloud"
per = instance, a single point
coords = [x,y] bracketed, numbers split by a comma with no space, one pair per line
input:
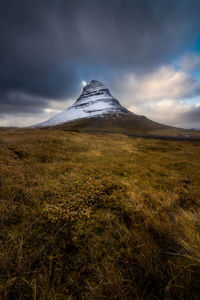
[192,117]
[19,103]
[48,46]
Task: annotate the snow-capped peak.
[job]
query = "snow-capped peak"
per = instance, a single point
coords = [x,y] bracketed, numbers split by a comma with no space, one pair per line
[95,100]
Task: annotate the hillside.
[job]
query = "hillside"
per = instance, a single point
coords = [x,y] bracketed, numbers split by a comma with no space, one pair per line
[98,216]
[126,124]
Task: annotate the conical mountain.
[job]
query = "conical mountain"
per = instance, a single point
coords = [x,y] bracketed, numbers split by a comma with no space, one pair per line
[97,110]
[95,100]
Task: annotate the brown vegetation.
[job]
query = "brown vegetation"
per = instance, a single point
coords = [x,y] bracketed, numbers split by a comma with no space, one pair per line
[125,124]
[86,216]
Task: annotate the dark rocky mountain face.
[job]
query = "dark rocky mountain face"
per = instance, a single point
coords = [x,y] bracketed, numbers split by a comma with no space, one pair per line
[94,88]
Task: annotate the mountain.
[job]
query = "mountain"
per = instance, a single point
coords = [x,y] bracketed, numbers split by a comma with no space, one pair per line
[97,110]
[95,100]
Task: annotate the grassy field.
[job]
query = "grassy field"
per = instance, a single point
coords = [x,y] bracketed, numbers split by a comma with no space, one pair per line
[95,216]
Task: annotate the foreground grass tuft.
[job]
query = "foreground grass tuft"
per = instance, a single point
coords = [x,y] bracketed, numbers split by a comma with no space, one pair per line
[86,216]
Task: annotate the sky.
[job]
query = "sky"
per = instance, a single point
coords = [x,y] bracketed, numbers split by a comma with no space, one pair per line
[146,51]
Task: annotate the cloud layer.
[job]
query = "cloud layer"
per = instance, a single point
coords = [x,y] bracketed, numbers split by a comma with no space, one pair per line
[164,95]
[49,47]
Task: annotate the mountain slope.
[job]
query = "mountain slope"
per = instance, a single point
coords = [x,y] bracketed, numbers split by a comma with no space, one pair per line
[124,123]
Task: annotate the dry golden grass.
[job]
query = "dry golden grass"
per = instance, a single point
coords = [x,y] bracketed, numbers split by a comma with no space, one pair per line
[85,216]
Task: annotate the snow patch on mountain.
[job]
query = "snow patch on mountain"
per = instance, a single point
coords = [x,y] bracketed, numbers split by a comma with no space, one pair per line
[94,101]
